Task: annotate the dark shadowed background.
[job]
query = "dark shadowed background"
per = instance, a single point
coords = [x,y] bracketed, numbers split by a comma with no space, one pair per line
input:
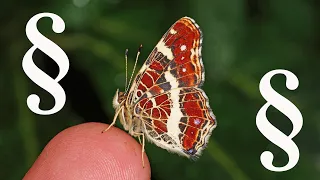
[243,40]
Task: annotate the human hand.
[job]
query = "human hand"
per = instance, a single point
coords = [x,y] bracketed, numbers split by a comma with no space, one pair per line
[83,152]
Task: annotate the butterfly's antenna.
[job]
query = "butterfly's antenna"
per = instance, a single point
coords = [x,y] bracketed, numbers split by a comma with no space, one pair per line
[126,57]
[134,67]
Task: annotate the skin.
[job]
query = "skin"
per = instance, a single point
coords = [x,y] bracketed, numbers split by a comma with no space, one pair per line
[83,152]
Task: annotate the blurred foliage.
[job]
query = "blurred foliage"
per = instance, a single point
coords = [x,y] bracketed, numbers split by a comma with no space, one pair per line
[243,40]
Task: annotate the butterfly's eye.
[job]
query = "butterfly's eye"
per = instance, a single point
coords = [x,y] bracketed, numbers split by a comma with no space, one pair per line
[121,97]
[118,99]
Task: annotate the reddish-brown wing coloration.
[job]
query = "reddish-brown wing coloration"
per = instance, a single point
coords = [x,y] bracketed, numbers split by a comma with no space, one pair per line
[193,124]
[178,52]
[166,93]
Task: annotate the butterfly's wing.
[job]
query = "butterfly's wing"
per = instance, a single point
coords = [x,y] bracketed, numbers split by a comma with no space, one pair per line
[174,72]
[179,120]
[176,57]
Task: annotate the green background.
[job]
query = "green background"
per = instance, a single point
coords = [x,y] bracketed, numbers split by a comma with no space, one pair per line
[243,40]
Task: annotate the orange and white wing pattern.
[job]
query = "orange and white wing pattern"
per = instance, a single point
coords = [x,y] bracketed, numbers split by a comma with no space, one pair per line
[166,92]
[179,120]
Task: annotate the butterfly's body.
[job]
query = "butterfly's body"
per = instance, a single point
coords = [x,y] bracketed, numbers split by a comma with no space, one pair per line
[165,103]
[130,123]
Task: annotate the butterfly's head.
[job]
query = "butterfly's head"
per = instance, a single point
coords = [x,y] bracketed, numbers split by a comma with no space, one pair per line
[118,99]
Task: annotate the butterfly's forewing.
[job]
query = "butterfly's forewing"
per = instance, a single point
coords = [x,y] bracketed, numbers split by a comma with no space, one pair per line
[176,58]
[166,95]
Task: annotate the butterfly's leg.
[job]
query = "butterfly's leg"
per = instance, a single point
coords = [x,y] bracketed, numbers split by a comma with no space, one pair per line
[139,139]
[143,145]
[114,120]
[143,150]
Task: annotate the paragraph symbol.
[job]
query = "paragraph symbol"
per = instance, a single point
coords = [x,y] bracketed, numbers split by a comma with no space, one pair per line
[272,133]
[39,77]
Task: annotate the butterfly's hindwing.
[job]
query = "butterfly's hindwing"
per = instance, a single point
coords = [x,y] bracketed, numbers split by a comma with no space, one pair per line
[181,116]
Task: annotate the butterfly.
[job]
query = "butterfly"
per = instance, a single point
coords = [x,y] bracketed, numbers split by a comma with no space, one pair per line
[165,103]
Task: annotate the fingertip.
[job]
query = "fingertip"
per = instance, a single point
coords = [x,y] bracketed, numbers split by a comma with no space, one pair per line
[83,152]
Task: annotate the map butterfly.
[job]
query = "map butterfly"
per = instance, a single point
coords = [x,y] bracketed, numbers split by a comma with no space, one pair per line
[165,103]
